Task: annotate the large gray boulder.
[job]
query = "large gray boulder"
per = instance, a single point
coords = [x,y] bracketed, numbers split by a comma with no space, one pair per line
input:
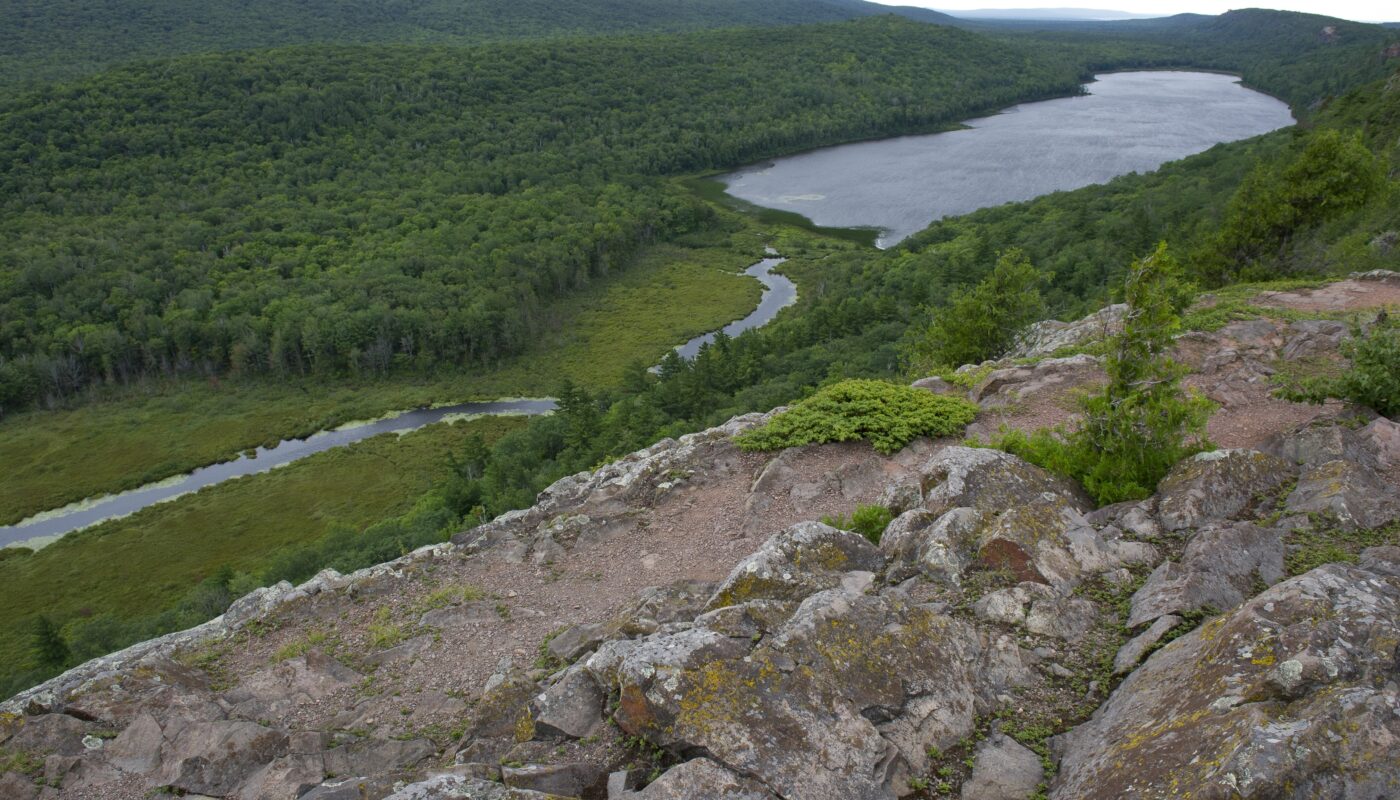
[214,758]
[1219,485]
[1291,695]
[571,707]
[1347,492]
[803,559]
[991,510]
[1219,569]
[1044,338]
[1004,770]
[699,778]
[841,701]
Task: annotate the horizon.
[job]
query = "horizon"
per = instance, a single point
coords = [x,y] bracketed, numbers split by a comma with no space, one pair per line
[1353,10]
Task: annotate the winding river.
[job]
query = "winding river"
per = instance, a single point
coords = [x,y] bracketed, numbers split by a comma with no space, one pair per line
[43,528]
[778,294]
[1128,122]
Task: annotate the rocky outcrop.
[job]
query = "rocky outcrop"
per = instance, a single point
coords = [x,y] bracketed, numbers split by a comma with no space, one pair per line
[1292,694]
[1046,338]
[811,663]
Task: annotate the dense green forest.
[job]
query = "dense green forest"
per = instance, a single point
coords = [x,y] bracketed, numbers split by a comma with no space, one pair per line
[48,39]
[363,210]
[335,210]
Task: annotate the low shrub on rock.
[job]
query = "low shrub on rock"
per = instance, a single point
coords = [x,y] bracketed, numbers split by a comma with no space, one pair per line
[887,415]
[868,521]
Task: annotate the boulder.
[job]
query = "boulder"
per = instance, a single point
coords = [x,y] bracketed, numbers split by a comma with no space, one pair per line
[661,605]
[1008,385]
[1316,443]
[803,559]
[1218,485]
[287,778]
[1044,338]
[571,707]
[846,696]
[1219,568]
[1292,694]
[1004,770]
[1347,492]
[937,385]
[1017,520]
[215,757]
[137,748]
[565,780]
[377,756]
[1131,653]
[49,733]
[699,778]
[576,641]
[1308,338]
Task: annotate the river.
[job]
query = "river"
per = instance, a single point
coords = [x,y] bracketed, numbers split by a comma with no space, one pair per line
[1128,122]
[42,529]
[778,293]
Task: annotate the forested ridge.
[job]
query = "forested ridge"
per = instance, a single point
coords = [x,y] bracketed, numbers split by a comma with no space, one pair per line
[334,210]
[1302,58]
[48,39]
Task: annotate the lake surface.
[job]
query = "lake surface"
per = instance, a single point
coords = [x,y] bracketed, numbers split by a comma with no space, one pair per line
[1129,122]
[51,524]
[778,294]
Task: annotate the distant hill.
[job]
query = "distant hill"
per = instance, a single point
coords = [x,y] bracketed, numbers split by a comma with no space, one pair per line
[1303,58]
[1062,14]
[47,39]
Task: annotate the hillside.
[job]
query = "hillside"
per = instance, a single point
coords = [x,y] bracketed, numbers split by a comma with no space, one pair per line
[1303,58]
[44,39]
[679,625]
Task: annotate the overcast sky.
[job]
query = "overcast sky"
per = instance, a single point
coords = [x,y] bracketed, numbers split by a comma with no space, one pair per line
[1364,10]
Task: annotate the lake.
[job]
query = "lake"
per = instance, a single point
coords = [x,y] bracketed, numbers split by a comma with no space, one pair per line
[1128,122]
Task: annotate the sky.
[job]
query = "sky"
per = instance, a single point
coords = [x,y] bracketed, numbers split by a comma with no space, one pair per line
[1363,10]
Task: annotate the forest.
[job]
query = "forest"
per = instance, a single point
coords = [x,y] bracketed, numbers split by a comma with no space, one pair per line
[338,210]
[380,212]
[55,39]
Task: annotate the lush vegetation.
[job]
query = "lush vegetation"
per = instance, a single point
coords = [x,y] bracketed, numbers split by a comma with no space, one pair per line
[365,211]
[1332,174]
[66,38]
[887,415]
[1133,431]
[156,429]
[982,322]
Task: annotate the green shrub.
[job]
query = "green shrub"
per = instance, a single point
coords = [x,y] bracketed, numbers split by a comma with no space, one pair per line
[868,521]
[1141,423]
[1374,377]
[983,322]
[1372,380]
[888,415]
